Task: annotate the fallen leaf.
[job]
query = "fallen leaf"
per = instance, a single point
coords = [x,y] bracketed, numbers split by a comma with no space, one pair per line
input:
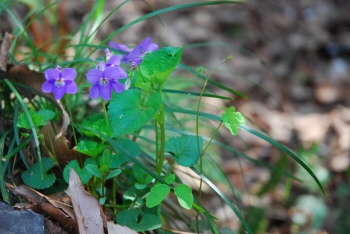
[4,50]
[118,229]
[88,211]
[60,146]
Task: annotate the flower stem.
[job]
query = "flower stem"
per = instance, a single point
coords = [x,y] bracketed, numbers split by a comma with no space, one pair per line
[106,117]
[162,148]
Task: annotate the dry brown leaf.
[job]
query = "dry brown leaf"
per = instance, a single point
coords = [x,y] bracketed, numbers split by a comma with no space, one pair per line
[4,50]
[88,212]
[60,146]
[117,229]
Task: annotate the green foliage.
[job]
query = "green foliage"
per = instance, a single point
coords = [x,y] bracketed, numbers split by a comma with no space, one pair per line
[119,158]
[138,220]
[97,122]
[232,119]
[90,148]
[83,173]
[184,196]
[129,112]
[39,118]
[185,149]
[157,66]
[37,177]
[157,194]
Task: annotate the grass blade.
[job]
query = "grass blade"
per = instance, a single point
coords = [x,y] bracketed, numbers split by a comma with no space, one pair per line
[286,151]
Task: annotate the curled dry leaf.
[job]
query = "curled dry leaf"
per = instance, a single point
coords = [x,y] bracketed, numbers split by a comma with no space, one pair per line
[60,146]
[4,50]
[117,229]
[88,212]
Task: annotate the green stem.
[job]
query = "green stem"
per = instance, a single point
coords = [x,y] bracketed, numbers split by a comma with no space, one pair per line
[106,117]
[157,143]
[72,125]
[162,148]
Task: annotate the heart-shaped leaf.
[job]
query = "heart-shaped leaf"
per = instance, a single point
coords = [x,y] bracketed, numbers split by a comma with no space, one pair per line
[35,179]
[184,196]
[128,112]
[185,149]
[138,220]
[84,174]
[157,194]
[158,65]
[90,148]
[39,118]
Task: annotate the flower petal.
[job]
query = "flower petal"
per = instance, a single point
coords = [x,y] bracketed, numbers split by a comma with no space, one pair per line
[118,87]
[95,91]
[58,92]
[106,92]
[115,73]
[94,75]
[152,47]
[68,73]
[48,86]
[145,43]
[52,74]
[120,47]
[71,88]
[114,60]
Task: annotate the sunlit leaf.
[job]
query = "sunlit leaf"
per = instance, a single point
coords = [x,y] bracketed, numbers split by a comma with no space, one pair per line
[157,194]
[184,196]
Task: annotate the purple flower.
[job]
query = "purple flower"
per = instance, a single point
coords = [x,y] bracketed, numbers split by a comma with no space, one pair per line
[106,80]
[60,81]
[138,53]
[122,48]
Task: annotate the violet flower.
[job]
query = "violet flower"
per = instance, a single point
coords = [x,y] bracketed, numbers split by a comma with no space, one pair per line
[104,78]
[138,53]
[60,81]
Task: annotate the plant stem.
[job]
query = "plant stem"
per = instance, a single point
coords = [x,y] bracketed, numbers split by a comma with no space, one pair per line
[162,148]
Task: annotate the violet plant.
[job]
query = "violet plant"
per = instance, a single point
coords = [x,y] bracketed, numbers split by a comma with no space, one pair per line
[131,142]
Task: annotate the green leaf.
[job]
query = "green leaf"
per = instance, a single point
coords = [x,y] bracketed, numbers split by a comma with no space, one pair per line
[185,149]
[170,179]
[138,221]
[184,196]
[157,194]
[158,65]
[128,112]
[106,158]
[39,118]
[131,146]
[113,173]
[46,115]
[97,122]
[35,179]
[232,119]
[84,174]
[93,169]
[141,176]
[90,148]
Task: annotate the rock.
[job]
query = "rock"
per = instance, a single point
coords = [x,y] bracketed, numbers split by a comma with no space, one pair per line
[20,221]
